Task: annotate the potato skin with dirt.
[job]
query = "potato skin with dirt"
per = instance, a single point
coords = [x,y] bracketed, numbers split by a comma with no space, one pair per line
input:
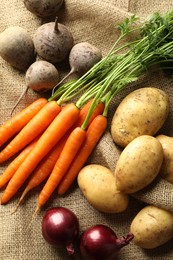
[138,164]
[142,112]
[98,185]
[166,170]
[16,47]
[152,227]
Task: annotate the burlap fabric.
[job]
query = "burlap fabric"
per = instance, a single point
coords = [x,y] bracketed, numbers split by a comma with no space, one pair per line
[94,21]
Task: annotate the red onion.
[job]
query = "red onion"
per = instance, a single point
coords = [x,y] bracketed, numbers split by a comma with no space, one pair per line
[60,227]
[101,243]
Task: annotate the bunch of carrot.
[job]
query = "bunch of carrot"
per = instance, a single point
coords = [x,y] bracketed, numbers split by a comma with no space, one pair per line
[51,139]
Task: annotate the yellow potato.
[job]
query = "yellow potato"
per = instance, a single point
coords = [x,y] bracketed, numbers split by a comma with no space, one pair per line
[167,165]
[138,164]
[142,112]
[98,185]
[152,227]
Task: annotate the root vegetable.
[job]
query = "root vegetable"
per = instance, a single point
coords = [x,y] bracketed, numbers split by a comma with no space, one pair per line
[56,130]
[98,185]
[82,57]
[53,41]
[43,8]
[152,227]
[16,47]
[166,170]
[138,164]
[15,124]
[34,128]
[142,112]
[41,76]
[100,242]
[60,227]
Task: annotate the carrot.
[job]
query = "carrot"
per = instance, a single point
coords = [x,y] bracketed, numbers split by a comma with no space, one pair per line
[68,153]
[14,165]
[56,130]
[17,122]
[34,127]
[84,111]
[93,134]
[46,166]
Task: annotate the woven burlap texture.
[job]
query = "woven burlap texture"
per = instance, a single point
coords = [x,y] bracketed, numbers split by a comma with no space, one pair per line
[93,21]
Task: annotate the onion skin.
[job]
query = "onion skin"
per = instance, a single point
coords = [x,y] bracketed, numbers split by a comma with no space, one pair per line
[60,227]
[101,243]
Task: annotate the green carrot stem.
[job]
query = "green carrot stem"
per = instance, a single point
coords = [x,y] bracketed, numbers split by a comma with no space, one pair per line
[61,90]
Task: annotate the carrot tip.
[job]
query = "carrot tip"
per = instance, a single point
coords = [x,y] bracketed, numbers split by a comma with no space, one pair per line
[15,209]
[35,212]
[20,200]
[33,217]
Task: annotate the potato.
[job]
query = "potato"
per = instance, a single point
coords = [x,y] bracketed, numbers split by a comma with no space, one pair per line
[98,185]
[138,164]
[142,112]
[167,165]
[152,227]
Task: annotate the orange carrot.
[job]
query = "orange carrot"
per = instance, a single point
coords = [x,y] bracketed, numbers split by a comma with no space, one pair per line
[93,134]
[34,127]
[68,153]
[46,166]
[14,165]
[97,111]
[17,122]
[56,130]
